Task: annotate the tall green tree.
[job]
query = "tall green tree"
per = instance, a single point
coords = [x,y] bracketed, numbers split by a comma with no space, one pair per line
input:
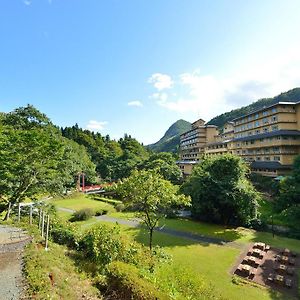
[288,200]
[165,163]
[221,191]
[34,157]
[151,196]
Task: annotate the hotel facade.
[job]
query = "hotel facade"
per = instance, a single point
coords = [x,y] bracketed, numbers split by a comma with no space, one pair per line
[268,139]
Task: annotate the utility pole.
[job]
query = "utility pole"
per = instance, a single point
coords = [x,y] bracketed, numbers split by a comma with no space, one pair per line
[30,215]
[47,232]
[43,224]
[40,219]
[19,212]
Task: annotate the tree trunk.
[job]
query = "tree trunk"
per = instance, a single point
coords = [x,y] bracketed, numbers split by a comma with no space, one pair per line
[7,213]
[150,238]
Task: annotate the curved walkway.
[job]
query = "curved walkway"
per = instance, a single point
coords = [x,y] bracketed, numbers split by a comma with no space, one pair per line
[181,234]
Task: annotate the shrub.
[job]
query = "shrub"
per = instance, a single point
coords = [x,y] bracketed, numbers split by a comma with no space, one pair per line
[63,234]
[120,207]
[82,215]
[101,212]
[104,244]
[125,281]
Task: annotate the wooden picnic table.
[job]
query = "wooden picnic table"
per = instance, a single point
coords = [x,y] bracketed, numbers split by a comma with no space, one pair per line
[279,279]
[282,268]
[286,252]
[260,245]
[257,252]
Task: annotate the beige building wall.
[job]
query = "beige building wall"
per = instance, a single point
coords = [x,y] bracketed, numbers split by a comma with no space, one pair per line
[269,139]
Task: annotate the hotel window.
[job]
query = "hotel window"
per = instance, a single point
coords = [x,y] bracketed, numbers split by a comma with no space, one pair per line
[252,142]
[266,129]
[274,118]
[249,118]
[256,116]
[265,113]
[277,158]
[256,123]
[261,140]
[258,158]
[249,133]
[265,121]
[276,149]
[267,158]
[274,110]
[267,150]
[257,131]
[278,138]
[275,127]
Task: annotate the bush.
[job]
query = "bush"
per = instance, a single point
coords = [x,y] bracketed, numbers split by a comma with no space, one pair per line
[63,234]
[104,244]
[101,212]
[120,207]
[82,215]
[125,281]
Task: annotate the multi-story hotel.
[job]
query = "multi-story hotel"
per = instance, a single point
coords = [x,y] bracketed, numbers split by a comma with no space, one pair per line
[269,139]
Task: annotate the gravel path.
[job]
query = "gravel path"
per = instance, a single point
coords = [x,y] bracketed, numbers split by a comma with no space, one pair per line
[11,246]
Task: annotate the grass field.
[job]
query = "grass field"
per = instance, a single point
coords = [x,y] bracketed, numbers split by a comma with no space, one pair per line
[79,201]
[211,261]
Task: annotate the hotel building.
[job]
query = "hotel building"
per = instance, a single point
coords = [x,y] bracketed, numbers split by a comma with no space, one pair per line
[269,139]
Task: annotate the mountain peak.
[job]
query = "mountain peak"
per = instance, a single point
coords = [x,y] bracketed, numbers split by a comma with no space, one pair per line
[170,141]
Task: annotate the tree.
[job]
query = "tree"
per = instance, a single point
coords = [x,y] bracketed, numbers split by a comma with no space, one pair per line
[165,163]
[151,196]
[34,157]
[221,192]
[289,190]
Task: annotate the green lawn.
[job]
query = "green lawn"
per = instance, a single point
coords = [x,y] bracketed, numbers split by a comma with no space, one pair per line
[79,201]
[211,261]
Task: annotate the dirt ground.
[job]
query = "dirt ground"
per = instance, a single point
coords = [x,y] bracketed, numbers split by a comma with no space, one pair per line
[265,266]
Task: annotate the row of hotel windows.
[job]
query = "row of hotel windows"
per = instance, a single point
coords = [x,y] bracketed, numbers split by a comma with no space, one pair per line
[260,150]
[256,116]
[253,142]
[256,124]
[270,139]
[266,158]
[264,130]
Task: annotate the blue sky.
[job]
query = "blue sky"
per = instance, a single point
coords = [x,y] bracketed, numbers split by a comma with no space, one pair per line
[137,66]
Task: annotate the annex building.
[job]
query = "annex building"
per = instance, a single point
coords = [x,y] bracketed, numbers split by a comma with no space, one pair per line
[269,139]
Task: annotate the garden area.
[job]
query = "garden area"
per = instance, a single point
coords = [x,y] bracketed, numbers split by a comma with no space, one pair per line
[205,261]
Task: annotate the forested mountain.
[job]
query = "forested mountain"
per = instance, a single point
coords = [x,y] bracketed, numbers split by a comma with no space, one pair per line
[290,96]
[170,141]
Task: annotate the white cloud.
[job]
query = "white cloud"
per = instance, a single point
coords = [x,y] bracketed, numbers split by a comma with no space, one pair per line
[135,103]
[161,81]
[27,2]
[206,95]
[96,125]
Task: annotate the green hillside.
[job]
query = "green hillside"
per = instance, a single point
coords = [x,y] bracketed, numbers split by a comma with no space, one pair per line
[290,96]
[170,141]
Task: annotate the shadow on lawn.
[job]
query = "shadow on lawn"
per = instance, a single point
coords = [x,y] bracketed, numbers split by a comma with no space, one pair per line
[162,239]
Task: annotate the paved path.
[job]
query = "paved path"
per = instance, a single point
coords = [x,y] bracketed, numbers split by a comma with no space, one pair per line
[12,243]
[180,234]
